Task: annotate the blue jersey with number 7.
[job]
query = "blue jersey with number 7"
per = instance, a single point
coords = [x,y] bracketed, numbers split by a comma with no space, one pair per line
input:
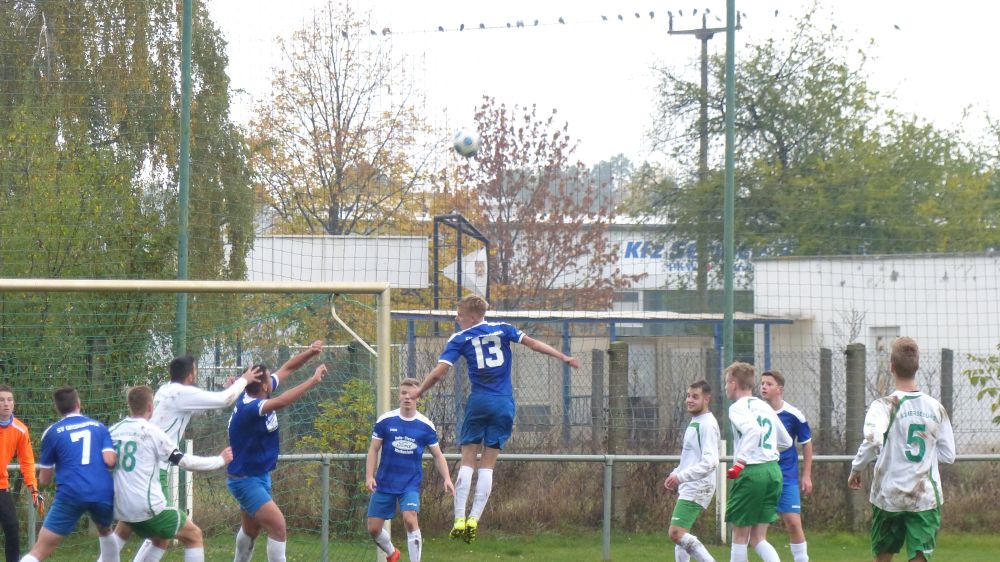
[486,348]
[74,447]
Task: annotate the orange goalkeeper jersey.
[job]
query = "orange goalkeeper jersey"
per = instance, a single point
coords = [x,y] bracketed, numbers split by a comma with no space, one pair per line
[14,439]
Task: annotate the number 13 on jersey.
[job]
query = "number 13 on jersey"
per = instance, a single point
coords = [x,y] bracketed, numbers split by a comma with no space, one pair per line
[488,351]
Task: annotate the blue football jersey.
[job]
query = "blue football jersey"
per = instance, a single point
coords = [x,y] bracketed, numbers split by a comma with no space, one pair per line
[74,447]
[400,468]
[486,348]
[798,428]
[253,436]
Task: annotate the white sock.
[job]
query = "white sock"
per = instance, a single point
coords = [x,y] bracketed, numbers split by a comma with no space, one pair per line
[244,546]
[155,554]
[767,552]
[738,553]
[694,548]
[415,544]
[463,482]
[484,485]
[194,554]
[109,548]
[29,558]
[680,555]
[384,541]
[140,555]
[275,550]
[799,553]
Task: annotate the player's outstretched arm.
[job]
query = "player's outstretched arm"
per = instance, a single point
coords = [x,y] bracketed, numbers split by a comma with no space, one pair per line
[544,348]
[370,462]
[441,464]
[291,395]
[200,399]
[432,378]
[296,362]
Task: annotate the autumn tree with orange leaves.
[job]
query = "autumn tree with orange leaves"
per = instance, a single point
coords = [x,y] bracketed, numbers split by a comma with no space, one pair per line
[541,211]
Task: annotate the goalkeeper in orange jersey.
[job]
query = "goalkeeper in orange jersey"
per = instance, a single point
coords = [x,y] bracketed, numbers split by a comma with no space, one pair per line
[14,440]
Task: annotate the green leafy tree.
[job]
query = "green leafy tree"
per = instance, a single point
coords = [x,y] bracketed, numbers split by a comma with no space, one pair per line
[89,113]
[821,167]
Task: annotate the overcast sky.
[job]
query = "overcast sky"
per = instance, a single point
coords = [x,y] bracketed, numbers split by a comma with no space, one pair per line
[598,74]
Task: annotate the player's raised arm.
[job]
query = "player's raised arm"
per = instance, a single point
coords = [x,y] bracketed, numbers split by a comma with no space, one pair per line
[297,361]
[432,378]
[291,395]
[542,347]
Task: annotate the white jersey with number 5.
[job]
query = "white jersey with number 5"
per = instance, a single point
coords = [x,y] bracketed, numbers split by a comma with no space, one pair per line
[758,434]
[909,432]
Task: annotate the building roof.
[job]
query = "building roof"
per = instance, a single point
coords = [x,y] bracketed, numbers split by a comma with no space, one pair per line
[603,317]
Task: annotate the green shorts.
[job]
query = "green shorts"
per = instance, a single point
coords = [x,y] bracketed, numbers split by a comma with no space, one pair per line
[917,528]
[753,497]
[686,512]
[165,525]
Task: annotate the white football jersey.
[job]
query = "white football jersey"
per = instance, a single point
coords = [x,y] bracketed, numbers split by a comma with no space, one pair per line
[141,448]
[174,403]
[699,460]
[758,434]
[908,433]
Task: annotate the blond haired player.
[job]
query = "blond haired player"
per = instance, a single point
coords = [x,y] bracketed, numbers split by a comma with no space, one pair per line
[139,499]
[694,477]
[489,411]
[908,432]
[758,438]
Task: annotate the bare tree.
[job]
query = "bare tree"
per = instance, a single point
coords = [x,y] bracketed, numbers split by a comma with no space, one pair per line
[339,147]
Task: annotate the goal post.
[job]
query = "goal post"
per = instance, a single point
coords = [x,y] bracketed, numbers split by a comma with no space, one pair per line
[381,290]
[104,336]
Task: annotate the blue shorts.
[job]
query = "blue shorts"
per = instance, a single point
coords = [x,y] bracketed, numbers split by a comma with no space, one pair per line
[63,515]
[489,419]
[251,492]
[789,502]
[383,505]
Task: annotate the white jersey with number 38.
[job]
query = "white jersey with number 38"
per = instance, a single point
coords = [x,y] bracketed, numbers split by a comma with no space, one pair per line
[909,432]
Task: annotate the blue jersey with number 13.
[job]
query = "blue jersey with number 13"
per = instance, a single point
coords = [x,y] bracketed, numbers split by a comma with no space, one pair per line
[486,348]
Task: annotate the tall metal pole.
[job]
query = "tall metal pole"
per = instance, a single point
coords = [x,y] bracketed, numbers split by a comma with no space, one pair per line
[703,34]
[180,343]
[728,210]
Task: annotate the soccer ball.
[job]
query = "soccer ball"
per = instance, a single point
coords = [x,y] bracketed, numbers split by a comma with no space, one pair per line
[467,143]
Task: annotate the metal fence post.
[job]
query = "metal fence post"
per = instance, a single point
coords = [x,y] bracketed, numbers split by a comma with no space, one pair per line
[617,407]
[825,399]
[947,379]
[597,425]
[609,465]
[855,414]
[324,539]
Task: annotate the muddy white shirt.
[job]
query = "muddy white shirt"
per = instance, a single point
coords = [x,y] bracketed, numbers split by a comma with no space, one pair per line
[908,433]
[758,434]
[699,459]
